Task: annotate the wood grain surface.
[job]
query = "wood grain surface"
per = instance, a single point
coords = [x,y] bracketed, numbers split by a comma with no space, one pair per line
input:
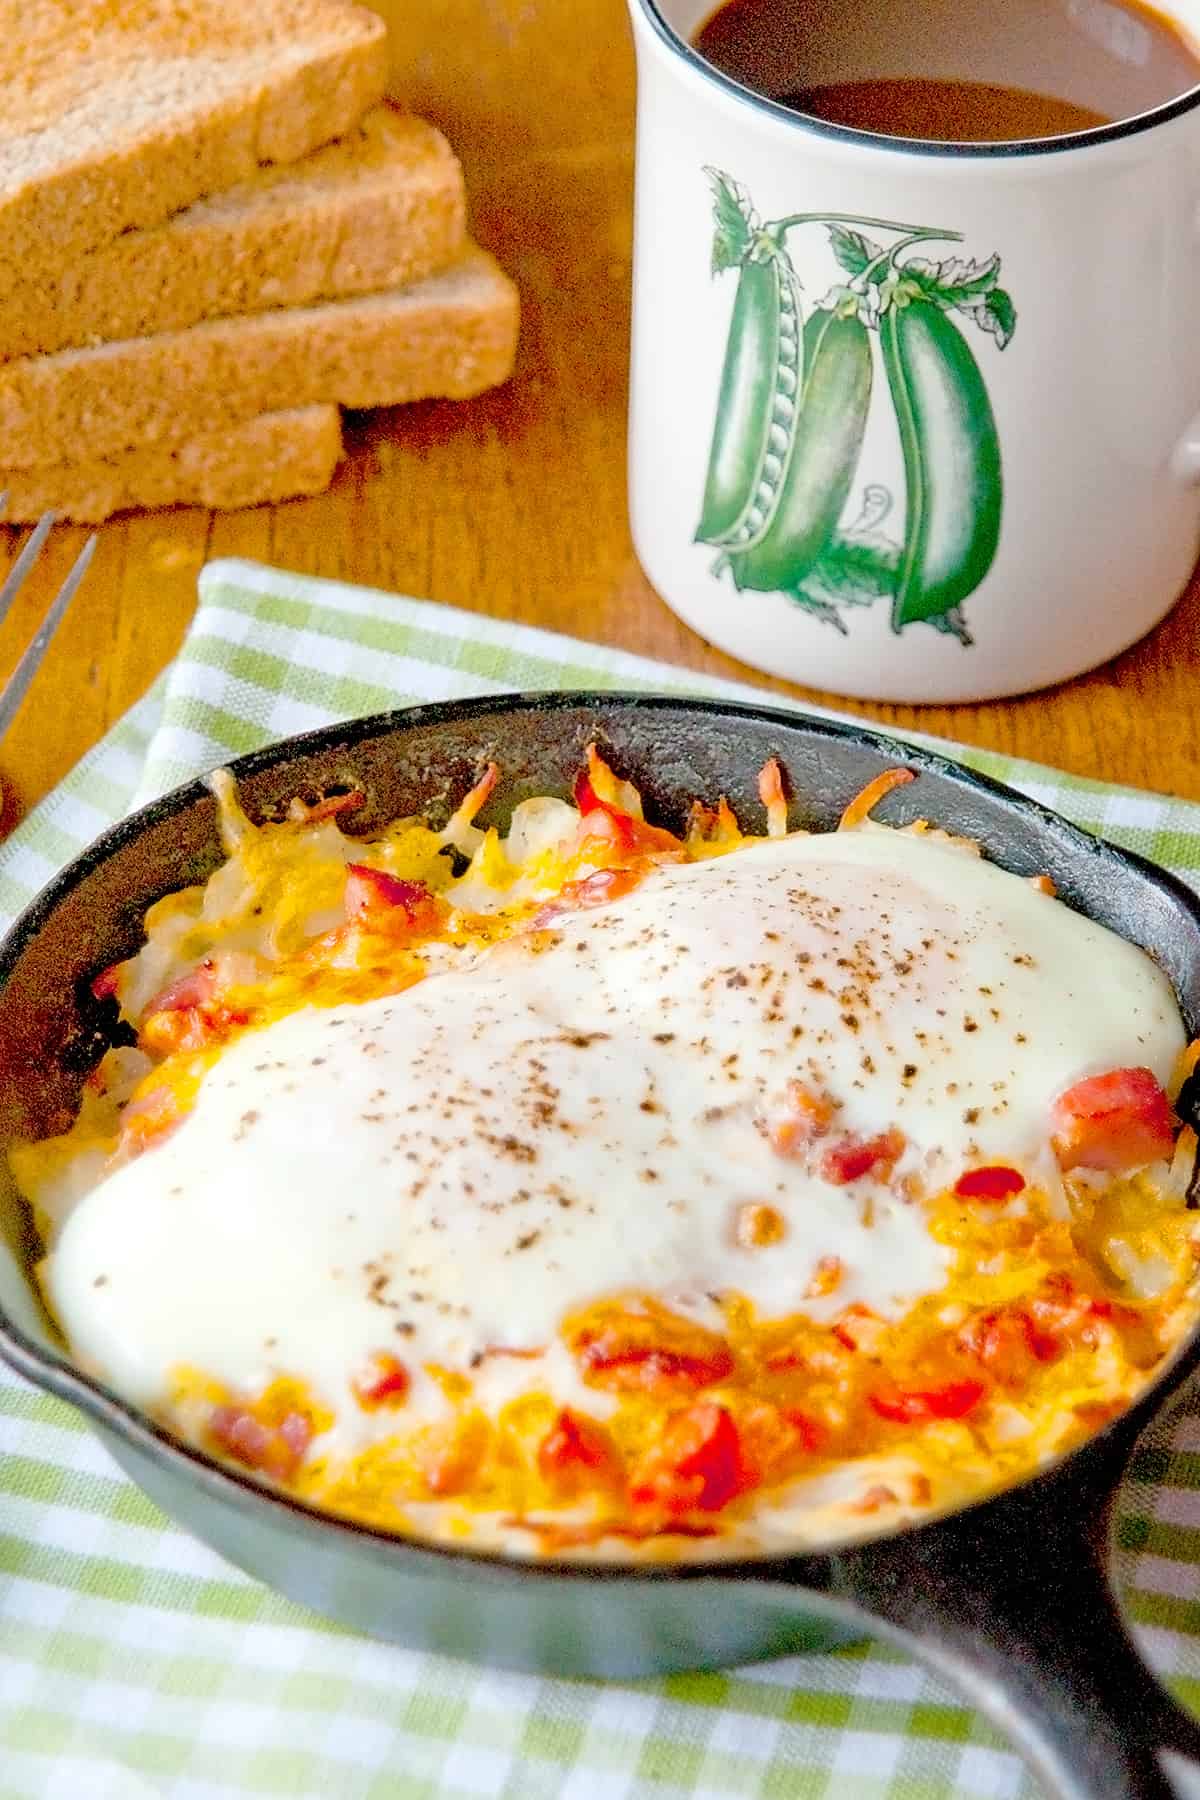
[514,505]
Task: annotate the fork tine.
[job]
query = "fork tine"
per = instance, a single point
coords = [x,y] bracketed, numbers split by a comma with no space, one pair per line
[17,685]
[24,562]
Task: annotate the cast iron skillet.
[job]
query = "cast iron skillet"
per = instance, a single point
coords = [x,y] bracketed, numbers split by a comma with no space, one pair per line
[1007,1599]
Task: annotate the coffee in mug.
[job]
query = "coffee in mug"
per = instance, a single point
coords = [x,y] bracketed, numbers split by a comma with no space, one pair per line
[977,73]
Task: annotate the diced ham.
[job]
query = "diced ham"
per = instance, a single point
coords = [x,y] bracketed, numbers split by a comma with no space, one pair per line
[197,988]
[810,1431]
[596,889]
[189,1013]
[850,1158]
[276,1450]
[296,1431]
[1115,1122]
[384,902]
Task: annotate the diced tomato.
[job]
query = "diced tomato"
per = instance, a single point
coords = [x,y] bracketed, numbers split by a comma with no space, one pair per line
[1063,1313]
[1008,1345]
[1115,1121]
[189,1013]
[1057,1318]
[636,1354]
[807,1117]
[577,1446]
[850,1158]
[913,1406]
[992,1183]
[104,985]
[696,1465]
[586,798]
[811,1433]
[602,819]
[773,1440]
[384,902]
[596,889]
[642,1367]
[384,1382]
[274,1450]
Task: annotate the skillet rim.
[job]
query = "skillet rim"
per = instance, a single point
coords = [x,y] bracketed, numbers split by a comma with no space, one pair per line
[54,1373]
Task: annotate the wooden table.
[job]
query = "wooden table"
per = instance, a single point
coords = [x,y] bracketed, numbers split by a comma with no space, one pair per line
[514,505]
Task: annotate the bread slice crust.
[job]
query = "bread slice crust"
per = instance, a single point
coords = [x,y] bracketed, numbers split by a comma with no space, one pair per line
[276,456]
[380,206]
[118,113]
[450,335]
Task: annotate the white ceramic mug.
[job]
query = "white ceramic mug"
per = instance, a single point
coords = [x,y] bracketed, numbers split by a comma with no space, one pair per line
[992,482]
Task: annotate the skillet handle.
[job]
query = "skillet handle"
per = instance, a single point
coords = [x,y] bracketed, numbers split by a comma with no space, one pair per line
[1010,1604]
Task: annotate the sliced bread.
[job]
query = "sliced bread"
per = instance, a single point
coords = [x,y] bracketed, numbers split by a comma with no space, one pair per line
[118,113]
[452,334]
[273,457]
[381,206]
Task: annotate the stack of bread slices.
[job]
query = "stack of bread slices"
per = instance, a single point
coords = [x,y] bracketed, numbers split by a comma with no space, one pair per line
[214,233]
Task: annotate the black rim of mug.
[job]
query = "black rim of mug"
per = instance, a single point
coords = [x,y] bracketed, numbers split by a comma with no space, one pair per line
[930,147]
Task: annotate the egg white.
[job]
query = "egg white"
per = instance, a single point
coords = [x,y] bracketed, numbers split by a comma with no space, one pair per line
[582,1111]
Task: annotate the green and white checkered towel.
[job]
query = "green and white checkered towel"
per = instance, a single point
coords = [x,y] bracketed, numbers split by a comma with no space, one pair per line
[134,1663]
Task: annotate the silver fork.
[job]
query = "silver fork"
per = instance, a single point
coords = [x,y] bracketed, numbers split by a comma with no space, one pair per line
[17,685]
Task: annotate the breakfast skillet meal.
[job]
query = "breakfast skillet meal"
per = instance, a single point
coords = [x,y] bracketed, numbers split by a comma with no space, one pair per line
[596,1191]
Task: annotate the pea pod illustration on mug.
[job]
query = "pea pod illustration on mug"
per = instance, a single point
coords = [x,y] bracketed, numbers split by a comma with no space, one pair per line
[795,397]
